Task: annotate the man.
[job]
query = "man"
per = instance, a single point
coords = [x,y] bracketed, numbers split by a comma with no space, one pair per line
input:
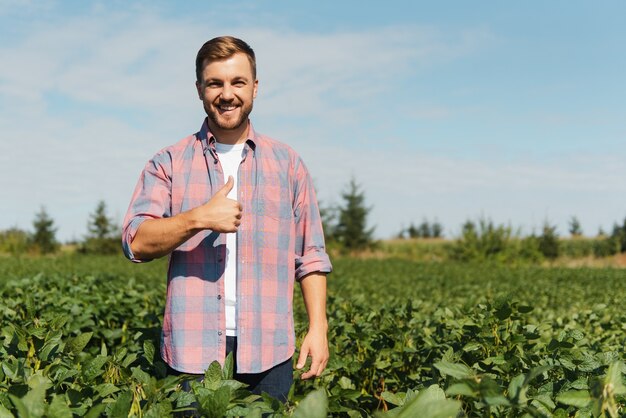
[237,214]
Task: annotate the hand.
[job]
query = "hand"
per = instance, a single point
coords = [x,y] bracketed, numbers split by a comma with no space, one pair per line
[220,214]
[315,345]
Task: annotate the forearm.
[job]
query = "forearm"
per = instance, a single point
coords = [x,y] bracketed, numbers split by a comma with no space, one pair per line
[158,237]
[313,288]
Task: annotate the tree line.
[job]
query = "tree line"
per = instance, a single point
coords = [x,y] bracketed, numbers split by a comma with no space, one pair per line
[103,235]
[347,230]
[345,227]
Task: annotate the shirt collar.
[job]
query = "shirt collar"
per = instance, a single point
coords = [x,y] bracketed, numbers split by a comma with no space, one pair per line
[208,139]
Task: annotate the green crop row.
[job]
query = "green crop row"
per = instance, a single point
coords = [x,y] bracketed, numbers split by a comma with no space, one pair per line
[79,337]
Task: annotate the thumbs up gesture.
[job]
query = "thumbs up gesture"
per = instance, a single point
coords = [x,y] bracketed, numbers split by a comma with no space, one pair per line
[220,214]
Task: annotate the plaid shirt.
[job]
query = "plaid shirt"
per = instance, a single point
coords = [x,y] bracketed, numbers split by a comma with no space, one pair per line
[280,240]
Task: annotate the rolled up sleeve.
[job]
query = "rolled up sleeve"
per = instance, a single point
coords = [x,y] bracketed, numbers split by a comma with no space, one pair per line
[311,256]
[151,200]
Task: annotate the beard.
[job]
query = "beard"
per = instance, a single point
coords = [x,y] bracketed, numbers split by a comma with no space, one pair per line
[227,123]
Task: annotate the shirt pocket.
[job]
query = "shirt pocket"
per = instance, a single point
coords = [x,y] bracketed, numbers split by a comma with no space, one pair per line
[273,199]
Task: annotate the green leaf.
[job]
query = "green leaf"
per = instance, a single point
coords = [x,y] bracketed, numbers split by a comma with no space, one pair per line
[22,411]
[129,359]
[472,346]
[463,389]
[456,370]
[215,404]
[577,398]
[213,376]
[503,311]
[5,413]
[93,368]
[148,351]
[392,398]
[32,404]
[37,380]
[536,371]
[314,405]
[614,378]
[141,376]
[105,389]
[121,407]
[545,401]
[496,400]
[77,344]
[515,390]
[229,367]
[346,383]
[58,408]
[429,403]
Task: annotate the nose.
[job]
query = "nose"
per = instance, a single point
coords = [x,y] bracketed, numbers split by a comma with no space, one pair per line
[227,92]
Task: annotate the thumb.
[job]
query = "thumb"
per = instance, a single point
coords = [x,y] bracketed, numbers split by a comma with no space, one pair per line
[227,187]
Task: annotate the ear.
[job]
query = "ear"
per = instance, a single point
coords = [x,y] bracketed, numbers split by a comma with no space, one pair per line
[255,89]
[199,89]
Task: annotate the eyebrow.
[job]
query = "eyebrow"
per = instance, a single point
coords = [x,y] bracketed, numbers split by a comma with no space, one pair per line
[219,80]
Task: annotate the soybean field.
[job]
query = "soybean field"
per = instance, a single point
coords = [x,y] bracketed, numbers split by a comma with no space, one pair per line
[79,337]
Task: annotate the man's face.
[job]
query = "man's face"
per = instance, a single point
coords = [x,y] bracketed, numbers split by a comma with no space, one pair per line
[227,90]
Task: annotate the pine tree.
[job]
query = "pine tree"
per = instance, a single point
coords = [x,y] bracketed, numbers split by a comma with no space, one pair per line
[44,238]
[549,241]
[437,230]
[351,230]
[424,229]
[100,226]
[575,229]
[101,237]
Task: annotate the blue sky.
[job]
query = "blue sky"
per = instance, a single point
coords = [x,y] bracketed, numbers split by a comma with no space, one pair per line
[440,110]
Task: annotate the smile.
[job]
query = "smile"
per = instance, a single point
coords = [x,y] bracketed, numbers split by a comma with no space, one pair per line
[227,108]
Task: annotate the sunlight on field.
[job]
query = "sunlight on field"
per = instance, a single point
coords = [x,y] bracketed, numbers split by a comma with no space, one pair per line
[80,335]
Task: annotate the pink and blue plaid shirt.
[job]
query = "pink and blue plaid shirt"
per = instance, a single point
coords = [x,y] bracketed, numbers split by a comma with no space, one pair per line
[280,240]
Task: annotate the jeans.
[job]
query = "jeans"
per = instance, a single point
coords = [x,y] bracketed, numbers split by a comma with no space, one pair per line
[276,381]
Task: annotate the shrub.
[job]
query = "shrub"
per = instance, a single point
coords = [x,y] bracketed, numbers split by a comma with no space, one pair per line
[549,241]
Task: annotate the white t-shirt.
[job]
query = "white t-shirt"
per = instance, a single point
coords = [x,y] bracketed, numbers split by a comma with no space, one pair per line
[230,157]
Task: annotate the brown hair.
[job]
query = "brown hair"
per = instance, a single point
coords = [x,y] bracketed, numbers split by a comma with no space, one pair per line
[221,48]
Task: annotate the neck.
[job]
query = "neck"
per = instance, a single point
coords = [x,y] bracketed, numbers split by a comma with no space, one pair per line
[230,136]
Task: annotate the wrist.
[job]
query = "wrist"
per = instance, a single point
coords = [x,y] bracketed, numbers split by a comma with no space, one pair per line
[319,326]
[190,222]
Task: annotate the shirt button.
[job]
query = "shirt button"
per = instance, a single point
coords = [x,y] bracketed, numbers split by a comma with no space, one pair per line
[219,297]
[219,332]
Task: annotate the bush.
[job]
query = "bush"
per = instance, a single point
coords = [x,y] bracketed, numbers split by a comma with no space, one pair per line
[549,242]
[14,241]
[482,241]
[577,247]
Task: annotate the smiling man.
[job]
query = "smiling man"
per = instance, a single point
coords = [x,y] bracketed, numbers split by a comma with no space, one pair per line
[237,214]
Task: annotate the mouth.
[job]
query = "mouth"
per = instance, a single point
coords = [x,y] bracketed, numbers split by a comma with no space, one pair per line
[226,107]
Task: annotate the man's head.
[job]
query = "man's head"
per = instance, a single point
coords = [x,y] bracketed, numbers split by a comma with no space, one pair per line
[227,85]
[221,48]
